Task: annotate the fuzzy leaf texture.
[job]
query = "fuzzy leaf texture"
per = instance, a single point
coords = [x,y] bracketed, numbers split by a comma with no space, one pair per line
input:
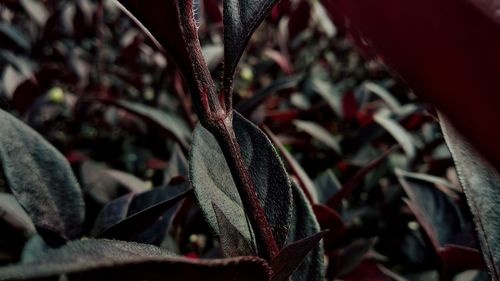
[117,260]
[304,225]
[457,58]
[481,184]
[41,180]
[292,256]
[213,182]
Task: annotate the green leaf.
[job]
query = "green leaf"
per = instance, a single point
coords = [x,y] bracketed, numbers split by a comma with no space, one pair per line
[137,222]
[14,215]
[481,184]
[117,260]
[213,183]
[41,179]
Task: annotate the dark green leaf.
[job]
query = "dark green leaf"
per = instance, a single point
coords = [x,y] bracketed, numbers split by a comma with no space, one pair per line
[241,18]
[303,225]
[41,179]
[14,215]
[117,260]
[232,242]
[481,184]
[213,183]
[290,257]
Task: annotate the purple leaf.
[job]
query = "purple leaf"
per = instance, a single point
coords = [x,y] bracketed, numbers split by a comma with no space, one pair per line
[137,222]
[117,260]
[292,255]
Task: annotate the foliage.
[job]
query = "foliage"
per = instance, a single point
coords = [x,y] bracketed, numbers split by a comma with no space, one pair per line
[231,140]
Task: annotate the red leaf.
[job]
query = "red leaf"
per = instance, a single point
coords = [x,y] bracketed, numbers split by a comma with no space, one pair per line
[329,219]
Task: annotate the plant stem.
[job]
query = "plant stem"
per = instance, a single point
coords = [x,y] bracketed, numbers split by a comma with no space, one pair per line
[227,140]
[217,118]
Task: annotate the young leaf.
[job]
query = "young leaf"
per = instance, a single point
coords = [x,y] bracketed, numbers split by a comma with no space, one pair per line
[292,255]
[212,180]
[232,241]
[481,184]
[41,179]
[304,225]
[117,260]
[241,18]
